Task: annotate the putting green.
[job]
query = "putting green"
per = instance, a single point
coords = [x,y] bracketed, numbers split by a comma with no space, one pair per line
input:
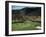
[27,25]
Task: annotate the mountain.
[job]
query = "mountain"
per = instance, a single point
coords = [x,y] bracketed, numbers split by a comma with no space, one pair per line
[36,11]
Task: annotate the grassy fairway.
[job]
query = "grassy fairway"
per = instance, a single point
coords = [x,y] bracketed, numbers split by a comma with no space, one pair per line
[27,25]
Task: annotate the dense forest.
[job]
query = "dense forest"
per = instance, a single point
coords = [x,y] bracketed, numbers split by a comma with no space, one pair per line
[26,13]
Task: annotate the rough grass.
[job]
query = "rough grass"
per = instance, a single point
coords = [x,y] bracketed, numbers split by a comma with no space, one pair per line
[26,25]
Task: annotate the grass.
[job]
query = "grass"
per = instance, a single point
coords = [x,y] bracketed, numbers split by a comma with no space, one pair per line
[26,25]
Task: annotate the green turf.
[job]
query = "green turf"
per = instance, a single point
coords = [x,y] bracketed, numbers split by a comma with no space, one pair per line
[27,25]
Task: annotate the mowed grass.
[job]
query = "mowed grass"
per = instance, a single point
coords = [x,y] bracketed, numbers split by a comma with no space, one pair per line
[26,25]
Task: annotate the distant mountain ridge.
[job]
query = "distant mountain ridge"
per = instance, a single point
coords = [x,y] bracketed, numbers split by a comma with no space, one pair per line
[28,11]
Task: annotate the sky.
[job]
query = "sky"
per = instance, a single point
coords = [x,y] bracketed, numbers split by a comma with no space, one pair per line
[14,7]
[17,7]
